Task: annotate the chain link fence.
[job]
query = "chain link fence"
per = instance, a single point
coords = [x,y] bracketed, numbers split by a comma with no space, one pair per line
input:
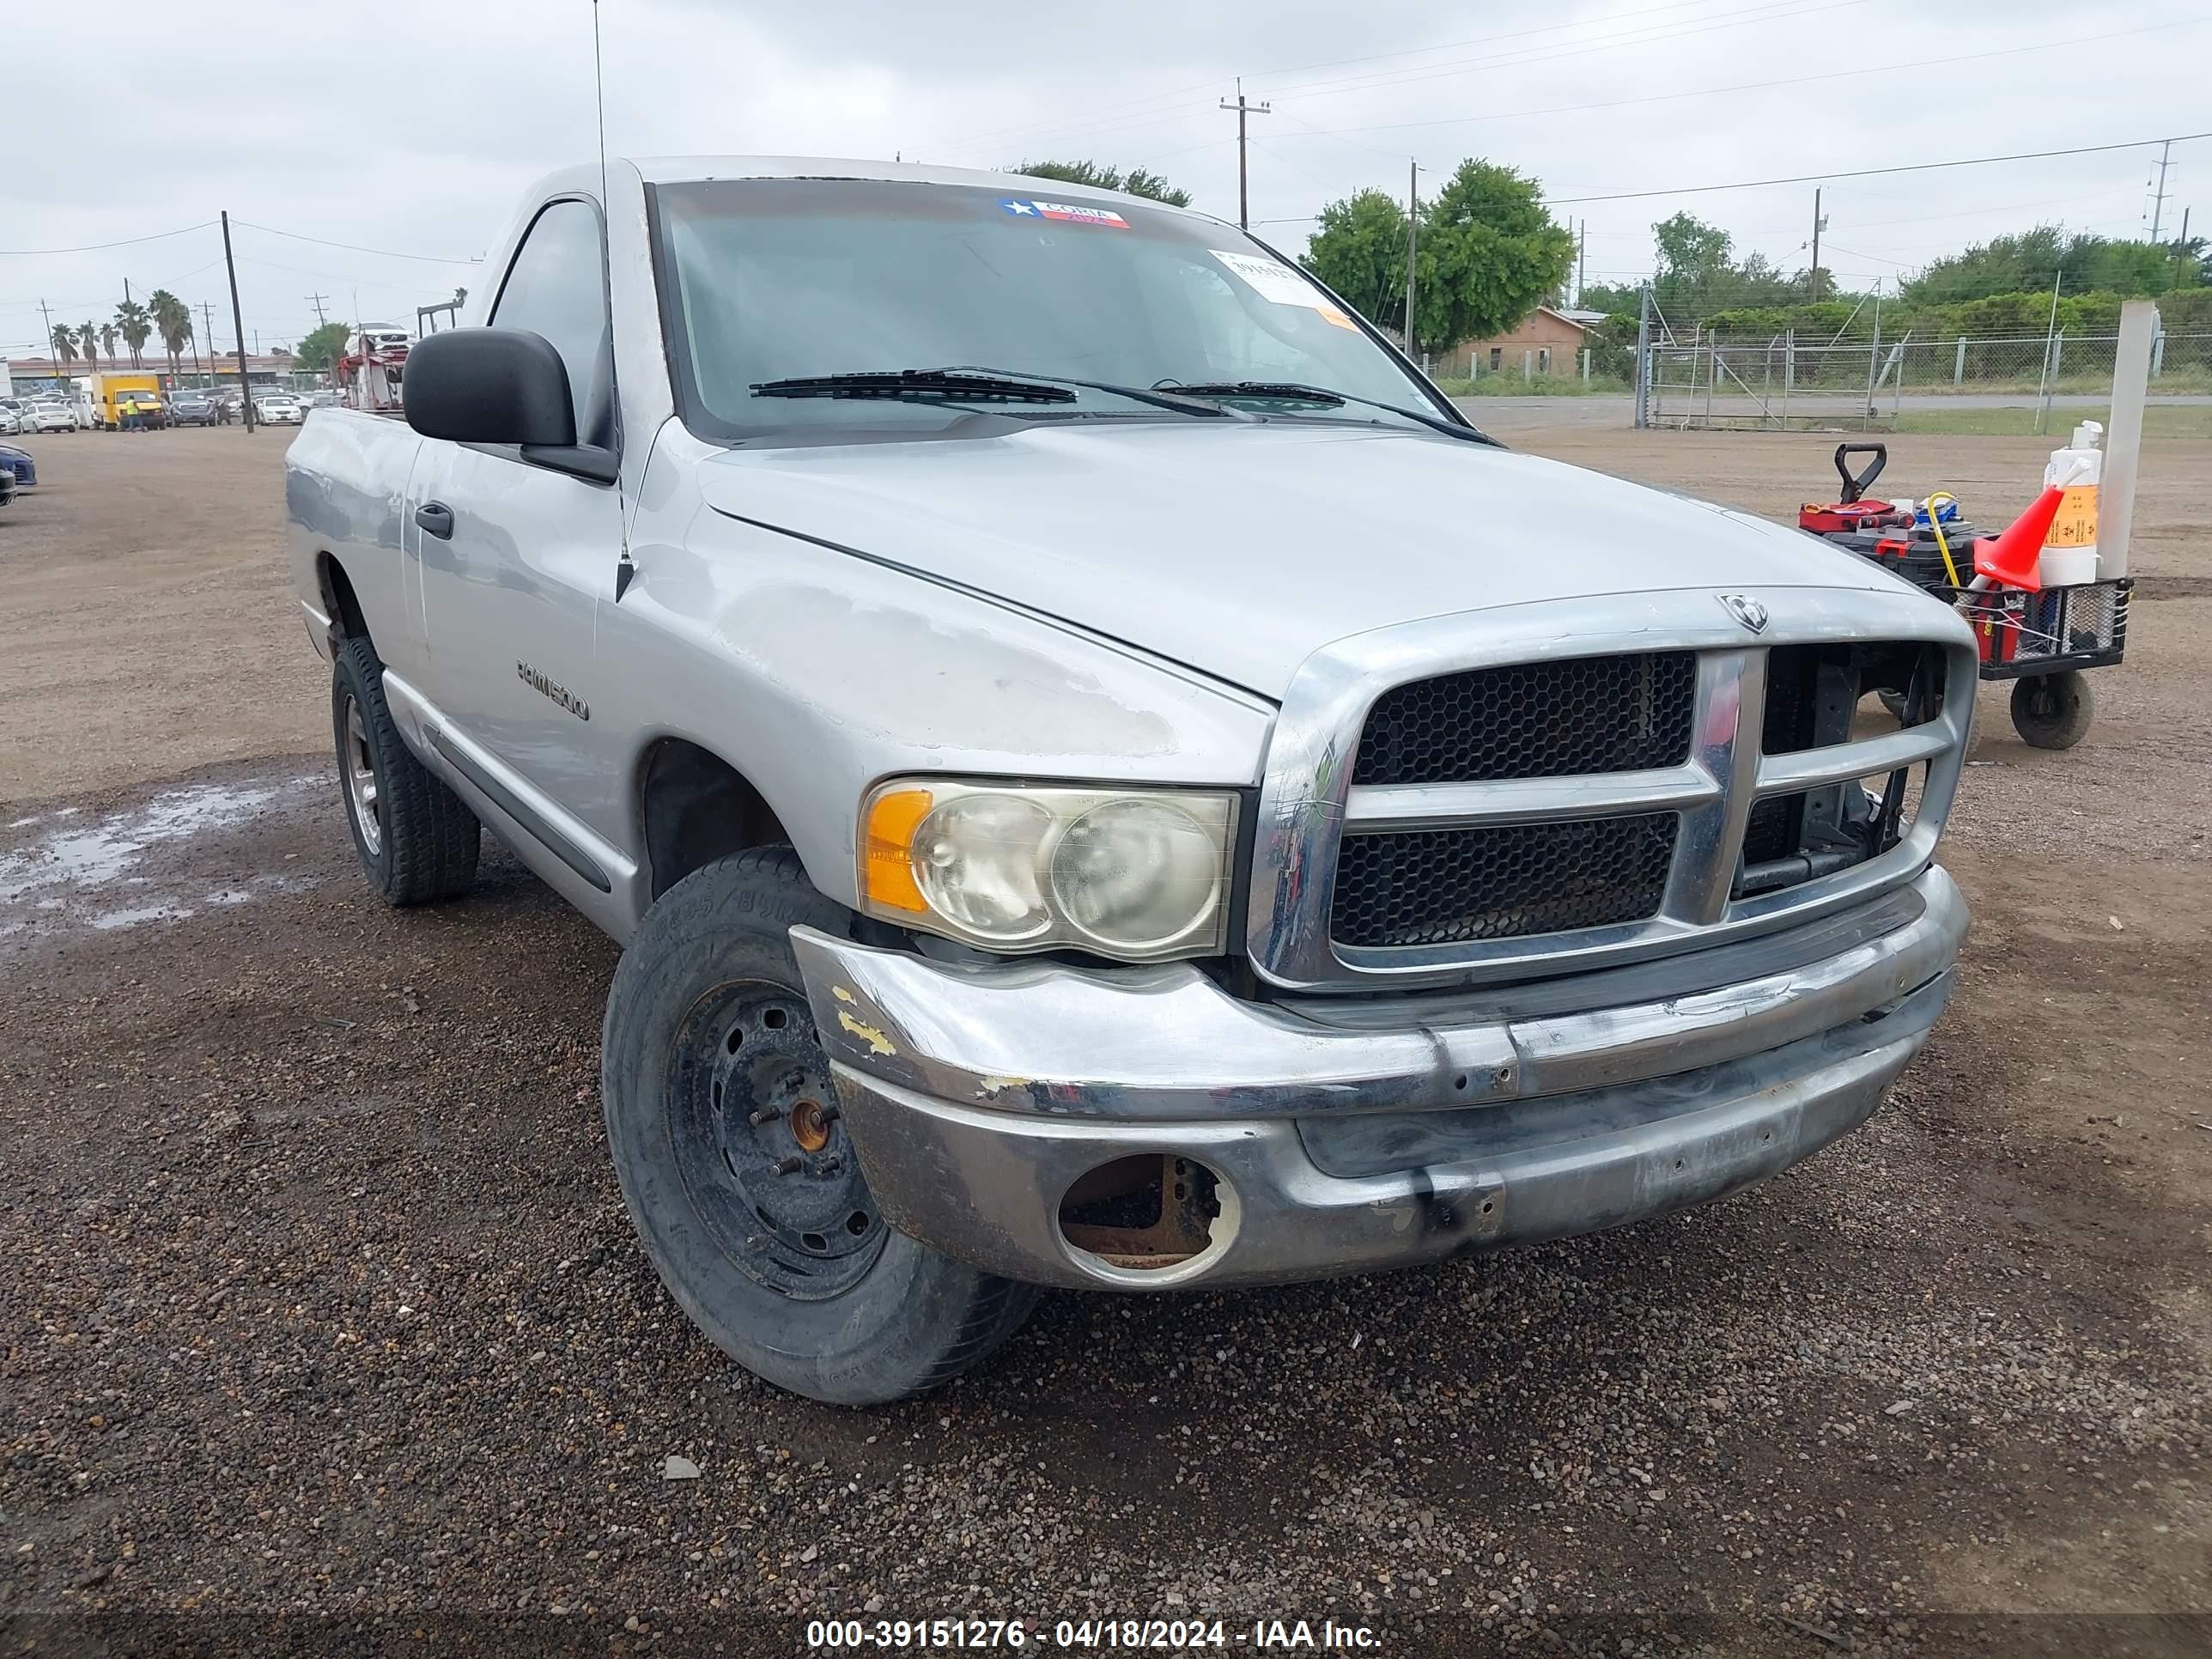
[1784,381]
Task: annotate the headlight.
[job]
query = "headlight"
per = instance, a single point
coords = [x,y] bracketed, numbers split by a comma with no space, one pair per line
[1139,874]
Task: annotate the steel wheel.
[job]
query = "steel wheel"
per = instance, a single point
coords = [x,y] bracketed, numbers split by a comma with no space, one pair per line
[766,1162]
[361,778]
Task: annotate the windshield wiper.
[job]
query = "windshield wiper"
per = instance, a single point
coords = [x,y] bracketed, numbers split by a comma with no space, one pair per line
[974,383]
[930,383]
[1291,392]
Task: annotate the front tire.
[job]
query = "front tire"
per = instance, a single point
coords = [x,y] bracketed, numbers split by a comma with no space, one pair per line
[2053,711]
[418,840]
[737,1173]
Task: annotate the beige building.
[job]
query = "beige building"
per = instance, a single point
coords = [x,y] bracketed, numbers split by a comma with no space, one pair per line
[1551,340]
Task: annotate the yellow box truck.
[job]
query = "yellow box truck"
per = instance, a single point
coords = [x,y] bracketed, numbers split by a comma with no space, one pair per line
[105,388]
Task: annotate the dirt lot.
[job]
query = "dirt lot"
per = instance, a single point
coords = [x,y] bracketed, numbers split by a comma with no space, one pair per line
[316,1294]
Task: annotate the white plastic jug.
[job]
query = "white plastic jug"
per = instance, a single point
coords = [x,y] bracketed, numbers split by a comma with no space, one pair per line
[2069,547]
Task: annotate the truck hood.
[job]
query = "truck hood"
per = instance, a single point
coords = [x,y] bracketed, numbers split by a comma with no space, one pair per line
[1239,549]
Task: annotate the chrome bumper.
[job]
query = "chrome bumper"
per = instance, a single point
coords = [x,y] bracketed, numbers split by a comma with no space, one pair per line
[1352,1134]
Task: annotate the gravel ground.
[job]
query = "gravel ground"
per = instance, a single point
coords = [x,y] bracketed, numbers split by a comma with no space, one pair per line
[317,1297]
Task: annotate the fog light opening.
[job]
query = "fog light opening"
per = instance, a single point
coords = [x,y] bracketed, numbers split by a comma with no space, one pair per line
[1143,1213]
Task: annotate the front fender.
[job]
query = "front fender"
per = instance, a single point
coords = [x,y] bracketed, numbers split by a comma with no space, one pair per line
[816,673]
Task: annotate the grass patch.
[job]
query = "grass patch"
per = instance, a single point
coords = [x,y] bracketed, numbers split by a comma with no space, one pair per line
[2160,420]
[1503,385]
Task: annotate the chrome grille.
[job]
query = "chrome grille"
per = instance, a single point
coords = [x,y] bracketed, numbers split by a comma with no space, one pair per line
[1451,886]
[1431,855]
[1532,720]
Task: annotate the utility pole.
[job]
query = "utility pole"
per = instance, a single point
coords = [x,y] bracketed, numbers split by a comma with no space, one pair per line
[46,317]
[2180,253]
[238,322]
[316,300]
[1819,225]
[1581,262]
[2158,202]
[1413,245]
[1243,109]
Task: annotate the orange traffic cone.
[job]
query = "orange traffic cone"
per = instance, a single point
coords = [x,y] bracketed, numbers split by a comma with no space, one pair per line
[2014,555]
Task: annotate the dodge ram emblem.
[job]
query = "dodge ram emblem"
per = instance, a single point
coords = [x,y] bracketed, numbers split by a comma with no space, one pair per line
[1748,610]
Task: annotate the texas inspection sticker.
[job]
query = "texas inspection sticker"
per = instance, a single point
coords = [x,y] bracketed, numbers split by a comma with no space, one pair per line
[1067,213]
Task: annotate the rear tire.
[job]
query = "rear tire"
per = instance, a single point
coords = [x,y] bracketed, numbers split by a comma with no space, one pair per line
[2053,711]
[763,1231]
[418,840]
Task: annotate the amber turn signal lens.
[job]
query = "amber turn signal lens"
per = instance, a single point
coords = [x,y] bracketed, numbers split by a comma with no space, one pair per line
[887,850]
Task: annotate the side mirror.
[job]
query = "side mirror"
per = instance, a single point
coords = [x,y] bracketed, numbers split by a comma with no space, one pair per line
[489,386]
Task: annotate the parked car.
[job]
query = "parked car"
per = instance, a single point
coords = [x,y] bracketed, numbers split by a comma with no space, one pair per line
[1179,808]
[192,409]
[278,409]
[12,417]
[6,487]
[19,466]
[46,416]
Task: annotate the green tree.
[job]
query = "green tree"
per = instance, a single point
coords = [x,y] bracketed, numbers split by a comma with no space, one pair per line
[1358,248]
[173,319]
[1693,256]
[108,339]
[65,344]
[136,326]
[1489,255]
[2032,259]
[1135,182]
[321,348]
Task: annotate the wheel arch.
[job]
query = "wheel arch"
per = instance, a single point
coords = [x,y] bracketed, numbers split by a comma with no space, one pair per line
[340,603]
[694,807]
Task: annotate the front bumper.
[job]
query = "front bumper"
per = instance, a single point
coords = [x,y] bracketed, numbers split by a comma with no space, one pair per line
[1349,1135]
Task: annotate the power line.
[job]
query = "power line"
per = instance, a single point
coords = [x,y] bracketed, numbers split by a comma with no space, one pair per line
[1644,35]
[1485,39]
[1006,134]
[1870,173]
[1794,81]
[1070,128]
[95,247]
[353,247]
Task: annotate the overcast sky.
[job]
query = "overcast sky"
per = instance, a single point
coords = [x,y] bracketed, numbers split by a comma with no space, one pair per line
[407,126]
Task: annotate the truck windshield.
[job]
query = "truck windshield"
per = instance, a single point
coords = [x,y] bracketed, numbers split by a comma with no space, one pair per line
[782,280]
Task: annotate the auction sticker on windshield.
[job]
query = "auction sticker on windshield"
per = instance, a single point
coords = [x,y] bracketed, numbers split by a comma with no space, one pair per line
[1067,213]
[1276,281]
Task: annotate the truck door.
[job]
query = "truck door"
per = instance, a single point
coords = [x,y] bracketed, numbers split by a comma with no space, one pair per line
[515,558]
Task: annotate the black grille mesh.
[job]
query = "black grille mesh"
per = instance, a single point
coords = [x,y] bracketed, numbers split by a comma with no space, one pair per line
[1500,881]
[1539,720]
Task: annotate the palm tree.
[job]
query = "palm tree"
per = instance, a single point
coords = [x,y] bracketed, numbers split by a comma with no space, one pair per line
[135,325]
[88,342]
[64,347]
[174,319]
[108,339]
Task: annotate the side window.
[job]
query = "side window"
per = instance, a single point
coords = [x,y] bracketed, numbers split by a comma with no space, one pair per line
[558,287]
[1497,356]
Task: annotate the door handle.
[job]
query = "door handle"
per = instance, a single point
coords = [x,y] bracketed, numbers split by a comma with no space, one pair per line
[437,518]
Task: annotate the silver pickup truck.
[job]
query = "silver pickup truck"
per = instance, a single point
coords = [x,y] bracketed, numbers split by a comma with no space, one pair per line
[1102,776]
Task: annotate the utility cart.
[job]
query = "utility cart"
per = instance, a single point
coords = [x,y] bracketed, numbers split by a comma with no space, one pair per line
[2043,640]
